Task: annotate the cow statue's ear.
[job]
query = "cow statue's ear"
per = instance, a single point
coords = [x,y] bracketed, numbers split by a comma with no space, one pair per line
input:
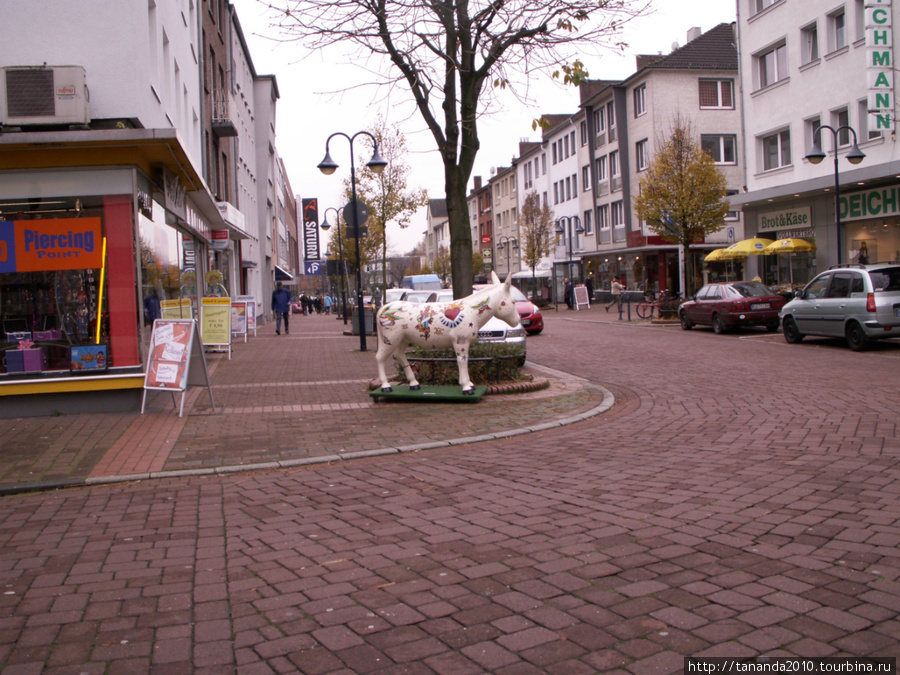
[494,278]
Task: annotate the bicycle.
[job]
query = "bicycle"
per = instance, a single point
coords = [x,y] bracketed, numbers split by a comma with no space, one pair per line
[646,308]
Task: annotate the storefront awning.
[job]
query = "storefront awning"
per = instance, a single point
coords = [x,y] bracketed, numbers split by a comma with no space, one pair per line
[282,275]
[526,274]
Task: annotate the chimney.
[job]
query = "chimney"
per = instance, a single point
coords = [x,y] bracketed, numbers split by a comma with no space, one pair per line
[693,33]
[477,182]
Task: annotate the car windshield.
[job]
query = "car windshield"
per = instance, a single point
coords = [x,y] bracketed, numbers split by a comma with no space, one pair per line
[887,279]
[752,289]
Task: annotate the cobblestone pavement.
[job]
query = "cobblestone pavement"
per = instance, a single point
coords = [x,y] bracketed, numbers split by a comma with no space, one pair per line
[740,498]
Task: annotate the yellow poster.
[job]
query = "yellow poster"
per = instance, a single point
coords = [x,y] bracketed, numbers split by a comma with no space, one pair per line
[176,309]
[215,321]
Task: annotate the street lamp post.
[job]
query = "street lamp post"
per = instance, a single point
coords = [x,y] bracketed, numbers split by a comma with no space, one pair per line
[855,156]
[328,166]
[568,232]
[504,242]
[326,225]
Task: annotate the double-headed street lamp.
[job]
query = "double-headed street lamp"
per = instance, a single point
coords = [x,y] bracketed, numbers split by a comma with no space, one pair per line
[855,156]
[567,231]
[504,242]
[325,226]
[328,166]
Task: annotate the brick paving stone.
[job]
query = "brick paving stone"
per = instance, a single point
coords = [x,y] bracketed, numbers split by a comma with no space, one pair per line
[632,538]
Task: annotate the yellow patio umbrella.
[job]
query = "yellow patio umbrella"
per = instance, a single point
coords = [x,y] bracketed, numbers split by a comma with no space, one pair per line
[790,246]
[717,255]
[755,246]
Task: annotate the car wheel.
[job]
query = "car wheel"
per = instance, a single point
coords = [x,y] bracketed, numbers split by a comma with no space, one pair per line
[791,334]
[686,323]
[772,326]
[856,338]
[718,324]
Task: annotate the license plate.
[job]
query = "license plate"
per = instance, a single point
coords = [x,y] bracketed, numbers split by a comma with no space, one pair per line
[526,322]
[761,305]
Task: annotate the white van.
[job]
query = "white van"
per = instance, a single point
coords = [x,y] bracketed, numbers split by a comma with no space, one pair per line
[422,282]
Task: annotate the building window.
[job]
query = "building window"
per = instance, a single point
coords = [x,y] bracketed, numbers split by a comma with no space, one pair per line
[555,194]
[568,188]
[543,164]
[640,100]
[574,184]
[603,217]
[840,118]
[586,178]
[528,175]
[809,39]
[717,94]
[566,146]
[866,132]
[757,6]
[618,221]
[584,132]
[642,155]
[776,150]
[572,137]
[732,215]
[611,120]
[860,19]
[771,66]
[555,160]
[614,164]
[837,30]
[722,148]
[588,222]
[812,126]
[600,126]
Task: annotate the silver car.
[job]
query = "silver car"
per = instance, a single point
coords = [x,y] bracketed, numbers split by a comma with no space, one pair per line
[860,303]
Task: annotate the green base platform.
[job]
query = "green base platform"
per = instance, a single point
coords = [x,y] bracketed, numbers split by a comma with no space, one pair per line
[429,394]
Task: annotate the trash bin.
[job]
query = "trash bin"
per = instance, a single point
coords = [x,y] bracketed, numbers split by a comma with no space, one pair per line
[369,322]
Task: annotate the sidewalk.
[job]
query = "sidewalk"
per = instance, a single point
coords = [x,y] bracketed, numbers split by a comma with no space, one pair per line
[281,400]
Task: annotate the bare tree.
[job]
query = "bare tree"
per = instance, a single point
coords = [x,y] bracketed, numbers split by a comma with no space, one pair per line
[450,55]
[535,224]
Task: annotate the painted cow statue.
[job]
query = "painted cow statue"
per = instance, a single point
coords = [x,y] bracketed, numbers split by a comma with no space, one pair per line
[440,324]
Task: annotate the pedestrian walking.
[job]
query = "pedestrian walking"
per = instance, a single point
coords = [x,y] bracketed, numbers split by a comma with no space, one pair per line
[281,306]
[568,294]
[616,289]
[589,284]
[327,302]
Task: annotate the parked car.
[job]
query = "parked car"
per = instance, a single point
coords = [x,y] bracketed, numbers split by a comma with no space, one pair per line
[495,330]
[859,303]
[392,294]
[419,296]
[529,313]
[725,305]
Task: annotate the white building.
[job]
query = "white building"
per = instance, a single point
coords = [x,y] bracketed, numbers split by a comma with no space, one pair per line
[805,65]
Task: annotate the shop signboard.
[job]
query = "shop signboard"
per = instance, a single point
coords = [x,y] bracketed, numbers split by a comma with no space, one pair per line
[310,228]
[176,360]
[251,312]
[180,308]
[773,221]
[219,240]
[215,323]
[50,245]
[239,319]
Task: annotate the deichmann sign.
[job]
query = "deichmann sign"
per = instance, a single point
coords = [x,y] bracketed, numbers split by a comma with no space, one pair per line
[781,220]
[310,229]
[880,64]
[877,203]
[50,245]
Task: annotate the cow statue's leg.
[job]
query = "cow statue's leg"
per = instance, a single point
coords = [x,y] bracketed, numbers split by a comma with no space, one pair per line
[462,362]
[385,351]
[410,376]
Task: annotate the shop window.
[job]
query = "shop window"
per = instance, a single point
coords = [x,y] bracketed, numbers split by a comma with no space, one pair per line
[51,299]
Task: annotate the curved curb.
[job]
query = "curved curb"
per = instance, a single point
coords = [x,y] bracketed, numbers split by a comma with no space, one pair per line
[607,403]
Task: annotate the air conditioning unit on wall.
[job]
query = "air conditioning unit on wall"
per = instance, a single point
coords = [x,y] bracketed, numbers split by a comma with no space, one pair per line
[40,95]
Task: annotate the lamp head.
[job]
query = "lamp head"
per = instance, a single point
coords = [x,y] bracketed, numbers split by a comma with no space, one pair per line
[325,224]
[559,228]
[855,156]
[377,163]
[515,244]
[578,228]
[328,166]
[499,245]
[815,154]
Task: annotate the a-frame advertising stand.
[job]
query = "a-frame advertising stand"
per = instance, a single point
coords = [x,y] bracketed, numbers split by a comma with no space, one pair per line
[176,361]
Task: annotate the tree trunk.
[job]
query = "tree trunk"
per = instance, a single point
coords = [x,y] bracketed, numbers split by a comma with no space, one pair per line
[460,233]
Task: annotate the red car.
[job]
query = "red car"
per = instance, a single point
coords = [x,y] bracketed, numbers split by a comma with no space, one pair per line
[732,304]
[529,314]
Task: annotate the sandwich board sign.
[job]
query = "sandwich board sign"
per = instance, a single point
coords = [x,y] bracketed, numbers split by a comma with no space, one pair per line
[175,360]
[215,323]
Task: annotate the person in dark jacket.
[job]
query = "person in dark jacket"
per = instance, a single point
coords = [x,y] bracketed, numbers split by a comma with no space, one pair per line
[281,306]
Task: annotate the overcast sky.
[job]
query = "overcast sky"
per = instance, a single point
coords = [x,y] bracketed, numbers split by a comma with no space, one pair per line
[309,110]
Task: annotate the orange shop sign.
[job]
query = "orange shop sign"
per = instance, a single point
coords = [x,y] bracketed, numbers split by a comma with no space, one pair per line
[50,245]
